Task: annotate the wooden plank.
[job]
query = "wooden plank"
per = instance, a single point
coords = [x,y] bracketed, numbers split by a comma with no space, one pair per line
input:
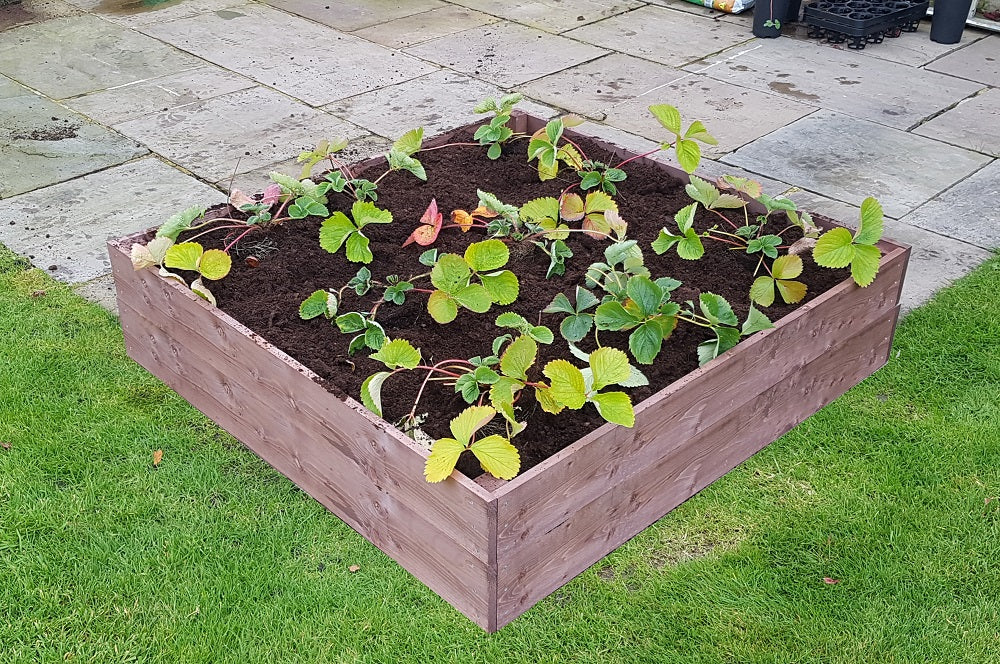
[692,404]
[531,568]
[323,449]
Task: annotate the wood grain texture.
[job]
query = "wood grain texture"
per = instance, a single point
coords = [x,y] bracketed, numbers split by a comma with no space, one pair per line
[356,467]
[534,563]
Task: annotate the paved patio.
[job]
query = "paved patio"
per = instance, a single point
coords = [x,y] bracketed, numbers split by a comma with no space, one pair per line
[105,105]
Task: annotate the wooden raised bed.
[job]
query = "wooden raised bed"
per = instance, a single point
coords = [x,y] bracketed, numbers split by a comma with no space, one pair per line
[492,550]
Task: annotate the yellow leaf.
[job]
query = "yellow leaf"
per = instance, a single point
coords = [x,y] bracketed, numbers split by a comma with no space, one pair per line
[444,456]
[215,264]
[497,456]
[157,458]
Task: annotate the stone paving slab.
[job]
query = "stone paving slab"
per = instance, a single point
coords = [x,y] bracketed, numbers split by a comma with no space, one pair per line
[425,26]
[100,291]
[164,93]
[552,15]
[901,170]
[935,261]
[348,15]
[878,90]
[236,133]
[74,55]
[506,54]
[42,143]
[916,48]
[437,102]
[734,115]
[979,62]
[136,13]
[968,211]
[973,124]
[313,63]
[593,87]
[662,35]
[66,226]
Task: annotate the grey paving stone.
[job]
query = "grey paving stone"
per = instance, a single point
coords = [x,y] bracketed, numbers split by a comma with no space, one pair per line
[425,26]
[100,291]
[977,62]
[662,35]
[349,16]
[968,211]
[66,226]
[972,124]
[935,260]
[42,143]
[734,115]
[594,87]
[506,54]
[33,11]
[135,100]
[437,102]
[551,15]
[311,62]
[135,13]
[236,133]
[841,80]
[74,55]
[916,48]
[849,159]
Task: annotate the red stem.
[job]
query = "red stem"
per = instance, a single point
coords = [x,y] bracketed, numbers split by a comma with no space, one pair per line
[241,236]
[638,156]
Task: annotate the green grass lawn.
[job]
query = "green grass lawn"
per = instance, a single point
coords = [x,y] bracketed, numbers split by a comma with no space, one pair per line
[894,491]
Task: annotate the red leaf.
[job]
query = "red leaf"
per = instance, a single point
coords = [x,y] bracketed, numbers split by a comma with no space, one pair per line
[431,222]
[271,194]
[827,580]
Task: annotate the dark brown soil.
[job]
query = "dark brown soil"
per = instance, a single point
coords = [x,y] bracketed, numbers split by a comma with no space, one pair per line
[266,298]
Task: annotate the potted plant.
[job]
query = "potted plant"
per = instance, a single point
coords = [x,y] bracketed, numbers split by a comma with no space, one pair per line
[518,330]
[768,19]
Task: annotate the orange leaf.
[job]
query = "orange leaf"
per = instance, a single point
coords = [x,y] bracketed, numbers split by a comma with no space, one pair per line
[353,568]
[462,219]
[484,212]
[157,458]
[431,222]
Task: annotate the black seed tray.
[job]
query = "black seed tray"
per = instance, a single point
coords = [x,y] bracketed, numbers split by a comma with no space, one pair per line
[861,22]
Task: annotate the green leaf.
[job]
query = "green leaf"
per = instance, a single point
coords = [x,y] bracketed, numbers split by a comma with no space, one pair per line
[701,191]
[401,161]
[180,222]
[576,327]
[441,462]
[184,256]
[646,295]
[762,291]
[690,247]
[365,213]
[485,375]
[371,391]
[474,298]
[315,305]
[502,392]
[487,255]
[567,384]
[755,322]
[451,273]
[554,130]
[598,201]
[514,320]
[468,387]
[685,216]
[334,231]
[613,316]
[668,116]
[698,132]
[791,291]
[610,366]
[541,334]
[645,342]
[398,353]
[585,299]
[503,287]
[351,322]
[834,248]
[429,257]
[864,267]
[870,228]
[560,305]
[787,267]
[442,307]
[497,456]
[688,154]
[664,241]
[374,336]
[615,407]
[717,310]
[728,202]
[357,248]
[409,142]
[518,357]
[540,208]
[469,421]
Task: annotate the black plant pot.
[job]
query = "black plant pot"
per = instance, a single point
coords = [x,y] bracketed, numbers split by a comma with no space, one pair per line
[769,11]
[949,19]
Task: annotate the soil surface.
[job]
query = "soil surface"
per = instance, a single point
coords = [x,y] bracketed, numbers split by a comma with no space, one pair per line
[290,265]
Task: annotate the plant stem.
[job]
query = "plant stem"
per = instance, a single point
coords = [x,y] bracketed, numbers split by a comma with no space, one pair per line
[447,145]
[638,156]
[241,236]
